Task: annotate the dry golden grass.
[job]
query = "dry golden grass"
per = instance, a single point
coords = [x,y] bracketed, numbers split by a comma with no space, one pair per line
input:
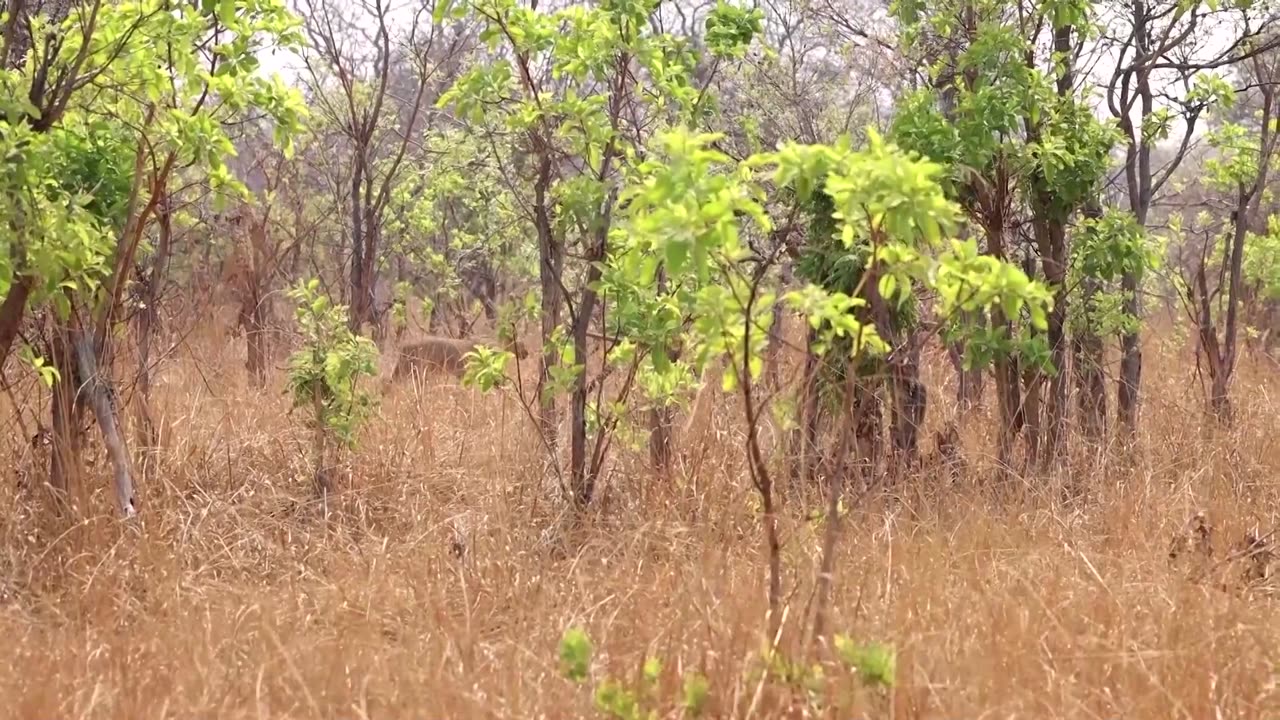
[234,597]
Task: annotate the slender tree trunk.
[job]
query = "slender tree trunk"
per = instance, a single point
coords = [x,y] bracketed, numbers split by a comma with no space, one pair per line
[582,475]
[1008,400]
[835,492]
[1220,398]
[369,273]
[550,270]
[868,407]
[1222,360]
[11,313]
[322,476]
[907,394]
[1088,356]
[402,276]
[1008,379]
[661,417]
[358,290]
[1055,273]
[1091,389]
[1139,179]
[1211,351]
[487,292]
[256,351]
[1051,234]
[910,401]
[969,382]
[1032,415]
[1128,392]
[805,444]
[82,385]
[774,349]
[148,321]
[763,482]
[67,427]
[101,399]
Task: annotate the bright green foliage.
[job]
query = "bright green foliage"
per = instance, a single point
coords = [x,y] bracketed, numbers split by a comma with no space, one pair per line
[1111,245]
[1104,250]
[1006,117]
[58,232]
[680,271]
[690,197]
[827,263]
[400,295]
[459,214]
[683,211]
[47,373]
[697,689]
[583,46]
[1070,158]
[682,225]
[614,84]
[615,700]
[876,664]
[683,208]
[833,313]
[144,50]
[621,700]
[324,375]
[138,95]
[1236,161]
[486,368]
[892,206]
[966,281]
[879,194]
[730,29]
[1261,262]
[807,679]
[1211,89]
[575,655]
[877,200]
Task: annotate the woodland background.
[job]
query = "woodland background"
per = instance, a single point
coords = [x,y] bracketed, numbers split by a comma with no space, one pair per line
[827,358]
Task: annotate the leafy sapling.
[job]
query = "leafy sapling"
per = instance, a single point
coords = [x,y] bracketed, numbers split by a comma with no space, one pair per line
[325,374]
[635,700]
[875,663]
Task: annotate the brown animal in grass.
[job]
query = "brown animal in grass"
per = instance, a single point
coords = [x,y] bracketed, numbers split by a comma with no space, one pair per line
[442,355]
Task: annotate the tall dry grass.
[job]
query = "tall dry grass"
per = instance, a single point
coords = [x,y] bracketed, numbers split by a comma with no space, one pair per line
[444,574]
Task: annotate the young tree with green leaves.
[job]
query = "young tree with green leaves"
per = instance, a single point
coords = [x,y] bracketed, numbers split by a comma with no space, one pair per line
[1239,171]
[324,379]
[1004,112]
[583,90]
[691,211]
[1165,57]
[105,106]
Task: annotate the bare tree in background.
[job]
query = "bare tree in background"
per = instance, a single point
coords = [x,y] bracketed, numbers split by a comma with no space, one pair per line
[1159,48]
[1215,308]
[351,65]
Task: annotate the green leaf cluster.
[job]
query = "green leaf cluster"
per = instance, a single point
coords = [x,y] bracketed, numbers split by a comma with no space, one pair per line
[638,699]
[325,374]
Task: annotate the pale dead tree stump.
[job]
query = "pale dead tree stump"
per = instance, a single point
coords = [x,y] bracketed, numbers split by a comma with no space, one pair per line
[83,386]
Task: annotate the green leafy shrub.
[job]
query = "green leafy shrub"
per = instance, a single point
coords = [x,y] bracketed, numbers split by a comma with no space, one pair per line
[325,374]
[622,700]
